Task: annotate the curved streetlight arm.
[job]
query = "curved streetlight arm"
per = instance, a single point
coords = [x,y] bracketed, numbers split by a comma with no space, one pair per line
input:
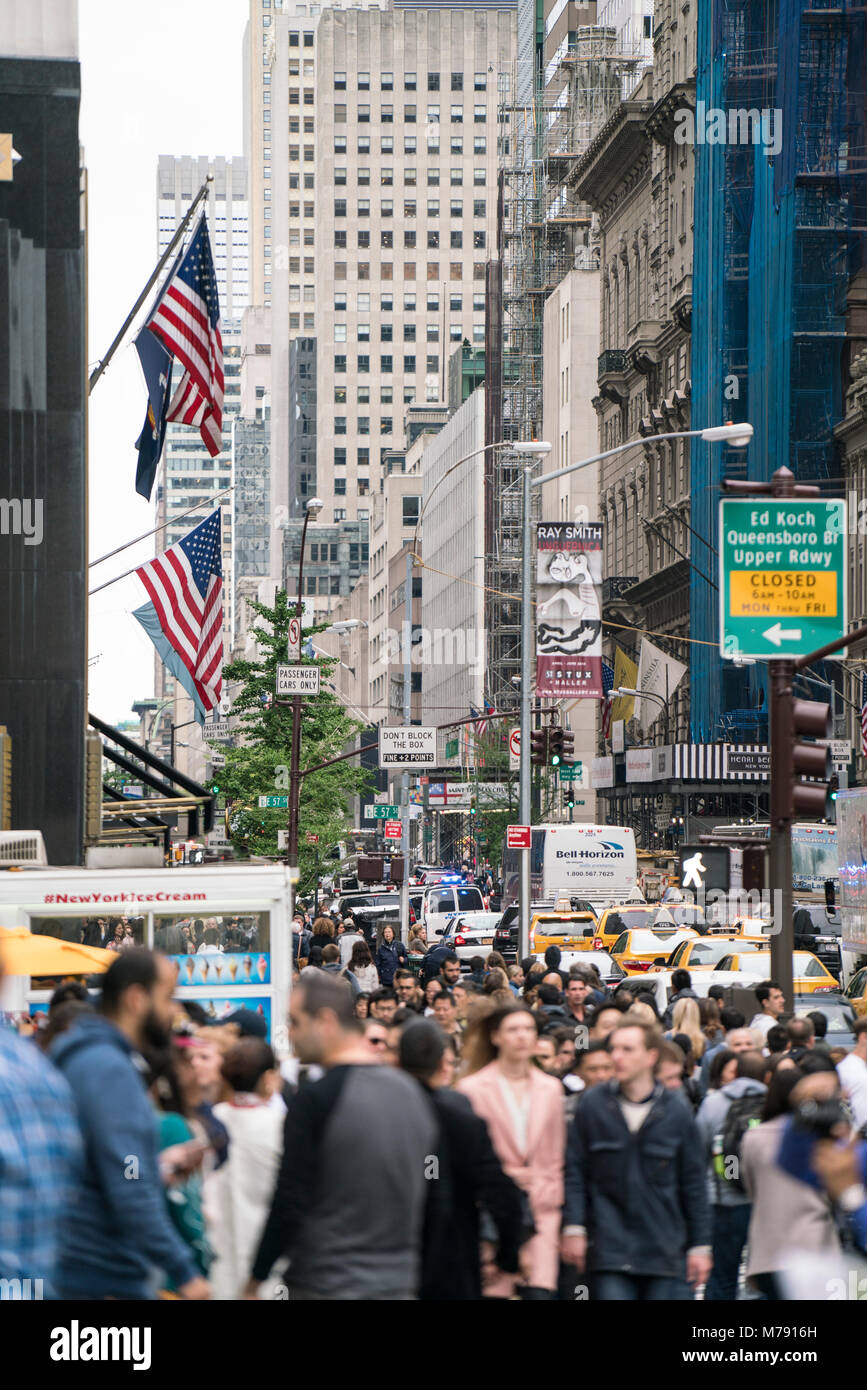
[738,440]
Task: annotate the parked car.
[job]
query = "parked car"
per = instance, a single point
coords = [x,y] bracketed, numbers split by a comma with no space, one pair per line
[839,1013]
[372,911]
[506,935]
[468,933]
[449,898]
[639,950]
[810,975]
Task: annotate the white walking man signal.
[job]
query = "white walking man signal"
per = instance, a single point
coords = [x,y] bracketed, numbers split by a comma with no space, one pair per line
[693,869]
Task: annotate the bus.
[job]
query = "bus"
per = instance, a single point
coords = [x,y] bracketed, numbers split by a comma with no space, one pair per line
[597,863]
[814,852]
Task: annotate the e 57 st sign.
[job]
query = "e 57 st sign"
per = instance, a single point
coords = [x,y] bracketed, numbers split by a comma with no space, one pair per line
[782,576]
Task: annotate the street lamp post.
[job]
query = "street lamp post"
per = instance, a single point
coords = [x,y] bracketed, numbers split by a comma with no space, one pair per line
[630,693]
[737,435]
[314,507]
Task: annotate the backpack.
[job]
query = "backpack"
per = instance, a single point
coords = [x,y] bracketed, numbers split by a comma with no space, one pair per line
[743,1114]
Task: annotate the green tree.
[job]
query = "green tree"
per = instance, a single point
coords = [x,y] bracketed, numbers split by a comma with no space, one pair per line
[260,765]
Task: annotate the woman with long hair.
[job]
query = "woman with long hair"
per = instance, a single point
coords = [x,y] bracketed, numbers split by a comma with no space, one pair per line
[524,1112]
[711,1026]
[495,979]
[390,957]
[686,1019]
[362,967]
[323,932]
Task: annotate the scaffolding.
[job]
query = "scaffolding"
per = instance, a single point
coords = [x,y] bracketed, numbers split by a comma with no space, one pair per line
[546,125]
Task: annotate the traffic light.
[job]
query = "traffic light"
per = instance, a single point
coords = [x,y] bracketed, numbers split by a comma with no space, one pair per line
[473,807]
[810,719]
[569,799]
[555,746]
[215,790]
[539,747]
[567,749]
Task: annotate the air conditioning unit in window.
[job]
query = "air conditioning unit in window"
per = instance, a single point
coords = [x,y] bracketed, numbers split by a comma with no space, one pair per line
[22,849]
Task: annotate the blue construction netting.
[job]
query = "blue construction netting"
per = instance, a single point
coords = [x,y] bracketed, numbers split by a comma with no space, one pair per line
[777,237]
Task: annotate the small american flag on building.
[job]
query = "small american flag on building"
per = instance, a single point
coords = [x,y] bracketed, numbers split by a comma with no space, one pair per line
[482,726]
[185,585]
[607,700]
[864,713]
[186,319]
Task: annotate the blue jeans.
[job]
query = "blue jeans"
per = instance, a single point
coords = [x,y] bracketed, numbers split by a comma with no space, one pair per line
[639,1288]
[730,1227]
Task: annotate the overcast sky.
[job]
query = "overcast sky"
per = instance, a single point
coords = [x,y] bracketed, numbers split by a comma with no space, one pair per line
[165,78]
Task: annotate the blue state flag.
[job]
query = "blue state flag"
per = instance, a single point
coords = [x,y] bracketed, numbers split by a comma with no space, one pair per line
[157,367]
[147,616]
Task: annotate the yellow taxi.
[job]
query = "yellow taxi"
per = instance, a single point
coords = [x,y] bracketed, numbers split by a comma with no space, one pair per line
[809,974]
[571,931]
[706,952]
[640,949]
[856,991]
[616,920]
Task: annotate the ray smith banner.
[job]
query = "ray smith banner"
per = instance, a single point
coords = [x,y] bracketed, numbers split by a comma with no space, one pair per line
[569,609]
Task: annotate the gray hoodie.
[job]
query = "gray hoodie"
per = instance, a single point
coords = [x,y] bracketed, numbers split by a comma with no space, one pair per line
[710,1119]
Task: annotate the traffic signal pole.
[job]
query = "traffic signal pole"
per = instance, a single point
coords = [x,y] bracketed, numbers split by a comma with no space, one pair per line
[780,675]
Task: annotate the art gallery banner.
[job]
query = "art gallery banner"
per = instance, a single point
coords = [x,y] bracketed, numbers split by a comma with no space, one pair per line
[569,610]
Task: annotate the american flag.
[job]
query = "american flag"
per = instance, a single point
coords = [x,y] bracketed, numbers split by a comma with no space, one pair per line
[185,585]
[482,725]
[607,701]
[187,321]
[864,714]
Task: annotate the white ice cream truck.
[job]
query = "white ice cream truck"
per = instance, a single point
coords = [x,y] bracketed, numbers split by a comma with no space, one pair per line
[226,926]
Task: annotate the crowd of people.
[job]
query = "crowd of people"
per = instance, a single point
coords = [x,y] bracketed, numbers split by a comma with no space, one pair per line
[532,1133]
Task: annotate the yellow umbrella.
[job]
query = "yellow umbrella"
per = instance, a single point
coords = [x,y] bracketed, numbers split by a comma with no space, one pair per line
[23,953]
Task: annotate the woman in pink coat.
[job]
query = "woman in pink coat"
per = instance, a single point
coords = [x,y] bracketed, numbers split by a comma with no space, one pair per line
[526,1118]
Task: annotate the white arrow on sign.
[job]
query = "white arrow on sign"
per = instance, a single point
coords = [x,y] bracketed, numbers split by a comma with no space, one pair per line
[779,634]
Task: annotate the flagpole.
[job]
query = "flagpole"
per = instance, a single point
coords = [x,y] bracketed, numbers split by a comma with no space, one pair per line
[208,502]
[182,227]
[126,573]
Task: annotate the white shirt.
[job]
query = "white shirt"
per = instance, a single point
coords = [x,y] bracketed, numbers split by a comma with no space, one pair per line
[764,1023]
[852,1072]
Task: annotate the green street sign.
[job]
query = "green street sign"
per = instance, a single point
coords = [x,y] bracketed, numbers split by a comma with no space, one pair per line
[782,584]
[451,748]
[570,772]
[269,802]
[381,812]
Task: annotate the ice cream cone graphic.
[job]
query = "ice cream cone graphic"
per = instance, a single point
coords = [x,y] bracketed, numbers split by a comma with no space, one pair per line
[190,966]
[218,966]
[262,968]
[248,969]
[204,968]
[233,968]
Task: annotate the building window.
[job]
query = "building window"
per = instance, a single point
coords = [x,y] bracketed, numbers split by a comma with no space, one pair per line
[456,240]
[339,491]
[433,270]
[363,458]
[479,144]
[409,240]
[479,207]
[433,144]
[409,144]
[433,302]
[433,81]
[457,144]
[409,332]
[479,270]
[433,178]
[386,115]
[409,113]
[339,207]
[478,333]
[340,144]
[433,207]
[363,363]
[433,240]
[364,81]
[340,424]
[340,115]
[456,333]
[308,40]
[480,82]
[457,81]
[433,333]
[456,271]
[385,424]
[386,176]
[339,513]
[409,270]
[386,270]
[432,363]
[456,208]
[409,178]
[385,364]
[294,37]
[409,81]
[457,115]
[386,332]
[409,207]
[386,81]
[410,510]
[433,115]
[364,424]
[456,301]
[339,395]
[340,363]
[456,178]
[386,303]
[363,240]
[409,303]
[386,144]
[364,207]
[339,329]
[409,366]
[364,144]
[386,240]
[363,177]
[364,332]
[340,82]
[363,274]
[364,115]
[479,240]
[340,239]
[339,179]
[479,115]
[386,207]
[478,303]
[339,301]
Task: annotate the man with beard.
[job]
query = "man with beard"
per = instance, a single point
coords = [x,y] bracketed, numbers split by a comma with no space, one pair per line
[118,1235]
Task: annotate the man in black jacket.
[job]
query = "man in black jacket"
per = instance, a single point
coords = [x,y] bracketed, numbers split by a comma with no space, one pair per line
[469,1178]
[636,1212]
